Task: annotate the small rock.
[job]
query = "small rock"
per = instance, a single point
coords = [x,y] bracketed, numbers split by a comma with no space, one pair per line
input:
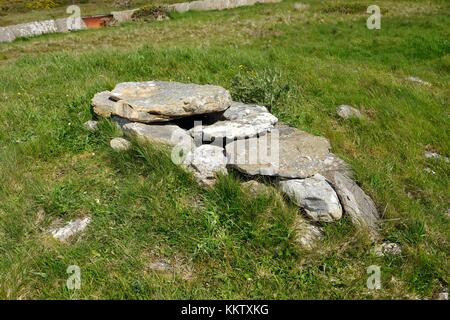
[70,229]
[160,266]
[206,162]
[434,155]
[301,6]
[418,81]
[388,248]
[346,112]
[357,204]
[442,296]
[120,144]
[315,196]
[91,125]
[307,235]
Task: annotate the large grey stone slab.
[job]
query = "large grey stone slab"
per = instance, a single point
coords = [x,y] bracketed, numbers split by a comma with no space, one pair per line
[357,204]
[241,121]
[155,101]
[315,196]
[284,152]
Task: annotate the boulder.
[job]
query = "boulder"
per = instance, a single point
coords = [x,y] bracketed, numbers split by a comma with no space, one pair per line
[356,203]
[157,101]
[241,121]
[315,196]
[346,112]
[206,162]
[284,152]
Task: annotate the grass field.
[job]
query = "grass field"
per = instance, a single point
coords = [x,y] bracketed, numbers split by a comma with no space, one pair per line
[225,243]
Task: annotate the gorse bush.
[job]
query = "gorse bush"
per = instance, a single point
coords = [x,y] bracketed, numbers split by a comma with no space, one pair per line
[264,87]
[41,4]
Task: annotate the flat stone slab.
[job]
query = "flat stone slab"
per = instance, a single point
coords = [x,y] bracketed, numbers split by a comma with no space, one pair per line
[315,195]
[357,204]
[156,101]
[241,121]
[168,134]
[284,152]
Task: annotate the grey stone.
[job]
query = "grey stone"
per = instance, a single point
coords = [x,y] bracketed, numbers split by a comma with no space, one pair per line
[442,296]
[206,162]
[91,125]
[315,196]
[356,203]
[418,81]
[388,248]
[434,155]
[242,121]
[6,35]
[284,152]
[306,235]
[102,105]
[168,134]
[34,28]
[346,112]
[123,16]
[156,101]
[120,144]
[206,5]
[160,266]
[70,229]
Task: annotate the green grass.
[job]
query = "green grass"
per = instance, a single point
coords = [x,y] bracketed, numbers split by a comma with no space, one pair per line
[224,242]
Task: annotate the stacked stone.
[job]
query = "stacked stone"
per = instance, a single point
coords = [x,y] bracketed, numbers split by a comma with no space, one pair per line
[244,137]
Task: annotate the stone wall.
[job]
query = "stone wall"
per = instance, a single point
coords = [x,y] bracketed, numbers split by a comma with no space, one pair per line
[10,33]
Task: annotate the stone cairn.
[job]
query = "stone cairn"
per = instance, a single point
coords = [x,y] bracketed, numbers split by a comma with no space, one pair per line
[210,133]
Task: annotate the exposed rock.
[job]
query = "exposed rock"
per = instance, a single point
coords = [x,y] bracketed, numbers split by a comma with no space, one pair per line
[442,296]
[206,162]
[346,112]
[120,144]
[284,152]
[168,134]
[255,187]
[357,204]
[388,248]
[157,101]
[6,35]
[91,125]
[301,6]
[435,155]
[102,105]
[242,120]
[428,170]
[418,81]
[315,196]
[70,229]
[307,235]
[160,266]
